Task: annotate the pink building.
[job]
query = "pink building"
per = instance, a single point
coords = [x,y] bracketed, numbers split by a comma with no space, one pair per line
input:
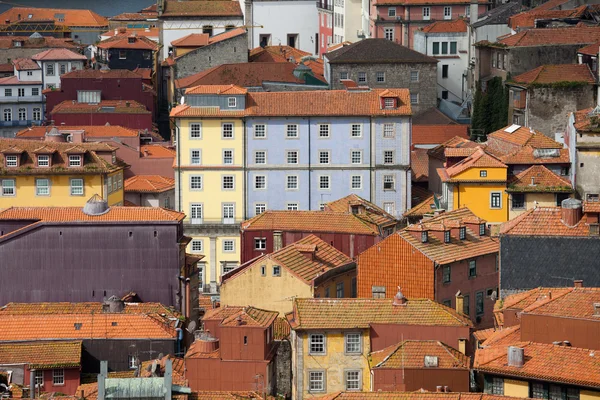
[325,10]
[397,20]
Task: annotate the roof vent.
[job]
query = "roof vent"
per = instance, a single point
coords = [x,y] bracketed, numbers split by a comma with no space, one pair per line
[113,305]
[399,299]
[96,205]
[431,362]
[515,356]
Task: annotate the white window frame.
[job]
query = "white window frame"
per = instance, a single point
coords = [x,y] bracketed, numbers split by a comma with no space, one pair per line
[499,207]
[321,341]
[39,377]
[388,102]
[22,114]
[36,114]
[324,130]
[223,183]
[12,160]
[225,157]
[391,11]
[226,243]
[263,129]
[224,131]
[45,189]
[386,153]
[320,383]
[414,73]
[9,189]
[195,180]
[414,96]
[356,128]
[196,208]
[292,128]
[263,157]
[289,179]
[447,12]
[74,161]
[260,243]
[390,130]
[356,383]
[362,77]
[74,189]
[231,102]
[228,213]
[360,156]
[348,343]
[264,182]
[426,13]
[327,154]
[321,182]
[294,206]
[291,152]
[50,69]
[196,130]
[131,361]
[58,377]
[197,246]
[392,181]
[198,158]
[43,160]
[360,180]
[343,75]
[7,114]
[380,77]
[259,208]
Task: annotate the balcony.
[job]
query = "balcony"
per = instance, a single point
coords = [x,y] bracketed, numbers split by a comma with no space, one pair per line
[21,99]
[325,5]
[27,122]
[386,18]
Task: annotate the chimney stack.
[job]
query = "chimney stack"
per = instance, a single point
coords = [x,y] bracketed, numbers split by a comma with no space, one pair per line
[515,356]
[474,11]
[399,299]
[578,283]
[571,212]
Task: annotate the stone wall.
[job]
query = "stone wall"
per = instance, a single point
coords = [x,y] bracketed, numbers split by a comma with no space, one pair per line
[282,384]
[523,59]
[7,55]
[397,75]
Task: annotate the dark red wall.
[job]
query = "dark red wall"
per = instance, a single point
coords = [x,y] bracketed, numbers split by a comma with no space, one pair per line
[69,387]
[349,244]
[383,335]
[215,374]
[233,347]
[487,278]
[128,120]
[547,329]
[390,380]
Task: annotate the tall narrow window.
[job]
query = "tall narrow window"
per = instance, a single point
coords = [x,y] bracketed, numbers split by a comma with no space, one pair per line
[42,187]
[77,187]
[196,157]
[58,376]
[37,114]
[22,114]
[196,131]
[7,114]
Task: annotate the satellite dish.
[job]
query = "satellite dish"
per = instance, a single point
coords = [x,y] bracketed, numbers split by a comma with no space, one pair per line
[182,101]
[494,296]
[191,327]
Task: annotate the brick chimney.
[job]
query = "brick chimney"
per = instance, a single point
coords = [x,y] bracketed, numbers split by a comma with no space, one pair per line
[571,212]
[578,283]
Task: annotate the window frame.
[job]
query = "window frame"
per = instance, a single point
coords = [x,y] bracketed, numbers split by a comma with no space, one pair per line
[321,182]
[194,131]
[38,187]
[472,269]
[361,77]
[447,15]
[276,270]
[426,13]
[296,129]
[264,157]
[230,103]
[446,274]
[39,378]
[358,380]
[192,157]
[378,75]
[323,380]
[71,187]
[259,206]
[327,153]
[287,182]
[227,241]
[416,79]
[224,130]
[416,98]
[264,131]
[386,156]
[260,243]
[360,186]
[196,178]
[75,161]
[478,296]
[11,160]
[196,250]
[310,344]
[390,9]
[347,343]
[352,130]
[255,181]
[520,205]
[223,177]
[226,158]
[122,55]
[58,374]
[46,158]
[353,152]
[287,157]
[392,131]
[495,195]
[324,131]
[392,181]
[7,188]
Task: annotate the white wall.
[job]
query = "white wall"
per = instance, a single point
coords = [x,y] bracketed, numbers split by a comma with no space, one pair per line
[353,19]
[281,18]
[55,78]
[36,75]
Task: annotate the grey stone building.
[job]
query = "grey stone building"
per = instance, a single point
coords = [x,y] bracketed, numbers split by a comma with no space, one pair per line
[381,63]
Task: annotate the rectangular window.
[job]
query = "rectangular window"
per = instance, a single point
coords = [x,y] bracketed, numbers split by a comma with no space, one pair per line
[378,292]
[42,187]
[426,13]
[436,48]
[483,173]
[260,243]
[388,157]
[74,161]
[228,245]
[392,12]
[11,161]
[356,182]
[260,131]
[196,182]
[292,206]
[414,76]
[339,290]
[343,75]
[316,343]
[62,68]
[388,130]
[292,182]
[227,130]
[228,182]
[472,269]
[414,98]
[196,213]
[35,91]
[228,213]
[231,102]
[316,381]
[380,76]
[58,376]
[353,343]
[453,48]
[197,246]
[22,114]
[356,157]
[324,182]
[260,208]
[444,47]
[50,69]
[77,187]
[362,77]
[388,182]
[196,131]
[276,270]
[356,130]
[518,201]
[260,182]
[43,160]
[21,92]
[389,33]
[324,157]
[352,380]
[446,273]
[8,187]
[495,200]
[260,157]
[292,131]
[447,12]
[292,157]
[131,361]
[444,71]
[39,377]
[228,157]
[324,130]
[479,303]
[466,304]
[196,157]
[122,55]
[388,102]
[37,114]
[8,92]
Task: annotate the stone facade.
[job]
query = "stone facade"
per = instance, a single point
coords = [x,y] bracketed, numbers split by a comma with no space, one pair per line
[230,51]
[397,75]
[283,369]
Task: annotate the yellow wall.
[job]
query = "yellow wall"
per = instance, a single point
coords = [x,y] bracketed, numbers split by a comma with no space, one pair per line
[60,191]
[267,292]
[474,193]
[179,51]
[115,197]
[515,388]
[542,199]
[332,285]
[336,361]
[588,395]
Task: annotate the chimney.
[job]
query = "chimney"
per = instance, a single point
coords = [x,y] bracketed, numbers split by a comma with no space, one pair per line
[578,283]
[515,356]
[116,31]
[460,303]
[399,299]
[571,212]
[78,136]
[597,309]
[277,240]
[127,104]
[474,11]
[307,250]
[113,305]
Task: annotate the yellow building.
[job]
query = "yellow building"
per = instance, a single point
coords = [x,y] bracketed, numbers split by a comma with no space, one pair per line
[477,182]
[537,186]
[209,178]
[296,271]
[57,173]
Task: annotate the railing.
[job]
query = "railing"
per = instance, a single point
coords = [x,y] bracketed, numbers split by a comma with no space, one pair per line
[22,99]
[325,5]
[27,122]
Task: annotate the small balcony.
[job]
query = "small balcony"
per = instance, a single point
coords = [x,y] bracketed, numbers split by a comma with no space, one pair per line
[21,99]
[325,5]
[27,122]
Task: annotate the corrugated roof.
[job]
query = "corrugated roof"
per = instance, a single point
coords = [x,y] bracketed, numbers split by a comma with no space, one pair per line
[42,355]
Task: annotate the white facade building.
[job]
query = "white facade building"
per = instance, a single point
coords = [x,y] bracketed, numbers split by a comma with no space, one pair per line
[57,62]
[351,20]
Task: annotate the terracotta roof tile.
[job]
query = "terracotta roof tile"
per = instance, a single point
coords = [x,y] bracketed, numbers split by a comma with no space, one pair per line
[546,74]
[456,26]
[482,335]
[178,365]
[362,313]
[552,37]
[92,163]
[13,80]
[148,184]
[590,50]
[544,221]
[412,353]
[81,308]
[199,8]
[105,106]
[228,395]
[310,221]
[276,54]
[456,142]
[70,17]
[437,134]
[591,207]
[419,165]
[527,19]
[139,16]
[93,131]
[529,155]
[192,40]
[157,151]
[281,329]
[100,74]
[58,54]
[537,179]
[504,336]
[479,159]
[425,207]
[8,42]
[217,89]
[372,214]
[422,2]
[129,42]
[122,31]
[420,395]
[41,355]
[25,64]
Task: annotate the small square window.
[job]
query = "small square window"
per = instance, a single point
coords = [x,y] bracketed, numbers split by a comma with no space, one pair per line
[292,207]
[276,270]
[58,376]
[122,56]
[11,161]
[356,183]
[228,245]
[196,182]
[356,156]
[388,157]
[260,182]
[388,182]
[43,160]
[292,131]
[74,161]
[518,201]
[378,292]
[389,102]
[196,157]
[291,182]
[343,75]
[324,182]
[324,157]
[316,343]
[356,130]
[392,12]
[231,102]
[260,208]
[323,130]
[260,243]
[362,77]
[227,130]
[195,131]
[197,246]
[292,157]
[380,76]
[228,182]
[260,131]
[260,157]
[483,173]
[414,76]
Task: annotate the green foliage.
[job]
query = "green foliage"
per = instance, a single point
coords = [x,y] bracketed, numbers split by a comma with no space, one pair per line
[490,109]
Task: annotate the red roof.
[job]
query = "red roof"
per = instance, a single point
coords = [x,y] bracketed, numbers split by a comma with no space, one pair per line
[216,89]
[553,37]
[544,221]
[478,159]
[369,213]
[58,54]
[527,19]
[105,106]
[25,64]
[41,355]
[276,54]
[437,134]
[122,31]
[7,42]
[96,131]
[412,353]
[538,179]
[546,74]
[456,26]
[425,2]
[128,42]
[14,80]
[76,214]
[148,184]
[192,40]
[251,316]
[213,8]
[591,50]
[101,74]
[60,16]
[157,151]
[419,165]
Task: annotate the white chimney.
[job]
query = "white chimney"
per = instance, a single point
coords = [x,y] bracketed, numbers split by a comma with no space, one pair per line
[474,11]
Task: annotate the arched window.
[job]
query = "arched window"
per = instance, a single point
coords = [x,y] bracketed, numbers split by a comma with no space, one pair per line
[22,114]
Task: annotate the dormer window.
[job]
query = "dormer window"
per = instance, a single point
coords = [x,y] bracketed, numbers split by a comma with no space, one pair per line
[43,160]
[12,161]
[231,102]
[389,102]
[462,233]
[481,229]
[424,237]
[75,161]
[446,236]
[131,40]
[18,43]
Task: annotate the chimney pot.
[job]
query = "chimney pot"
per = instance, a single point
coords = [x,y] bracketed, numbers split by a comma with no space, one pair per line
[515,356]
[571,211]
[578,283]
[399,299]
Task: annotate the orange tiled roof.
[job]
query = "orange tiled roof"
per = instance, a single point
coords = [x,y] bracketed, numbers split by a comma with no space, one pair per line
[175,8]
[419,165]
[373,214]
[583,121]
[75,214]
[128,42]
[504,336]
[81,308]
[216,89]
[548,362]
[456,142]
[157,151]
[419,395]
[59,156]
[229,395]
[590,50]
[95,131]
[527,19]
[552,37]
[148,184]
[122,31]
[546,74]
[437,134]
[527,155]
[425,207]
[544,221]
[8,42]
[479,159]
[281,329]
[58,54]
[456,26]
[482,335]
[25,64]
[310,221]
[538,178]
[139,16]
[362,313]
[591,207]
[276,54]
[41,355]
[226,35]
[192,40]
[411,354]
[250,316]
[105,106]
[100,74]
[70,17]
[178,369]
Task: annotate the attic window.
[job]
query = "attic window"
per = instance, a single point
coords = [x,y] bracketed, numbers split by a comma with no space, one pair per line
[389,102]
[231,102]
[74,161]
[114,323]
[446,236]
[18,43]
[424,237]
[12,161]
[43,160]
[430,362]
[481,229]
[462,233]
[131,40]
[77,325]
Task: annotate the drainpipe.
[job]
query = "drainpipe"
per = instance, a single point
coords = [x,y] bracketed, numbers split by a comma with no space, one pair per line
[244,169]
[32,383]
[178,141]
